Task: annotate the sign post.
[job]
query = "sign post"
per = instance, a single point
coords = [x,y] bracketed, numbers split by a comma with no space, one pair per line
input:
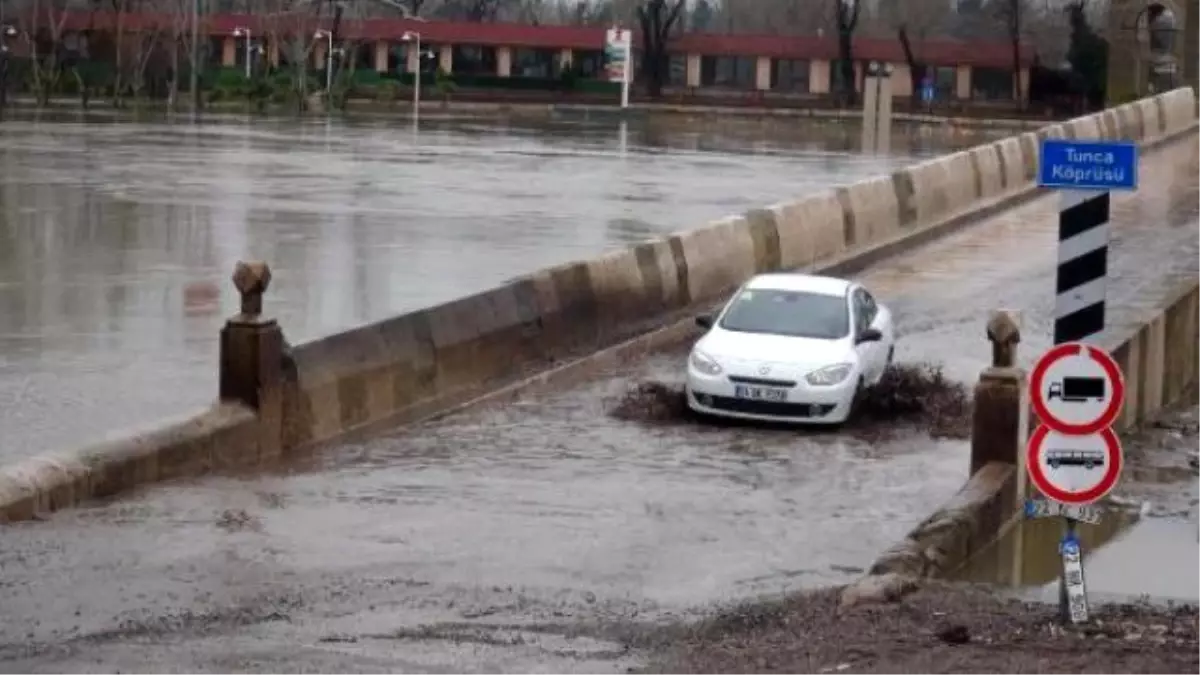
[1074,458]
[618,60]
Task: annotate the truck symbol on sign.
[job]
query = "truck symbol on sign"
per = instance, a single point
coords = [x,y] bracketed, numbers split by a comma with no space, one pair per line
[1088,459]
[1077,389]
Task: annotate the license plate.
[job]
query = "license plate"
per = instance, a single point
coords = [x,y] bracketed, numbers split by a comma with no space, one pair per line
[1044,508]
[760,393]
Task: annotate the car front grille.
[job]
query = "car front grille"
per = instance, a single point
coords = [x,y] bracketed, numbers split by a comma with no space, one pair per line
[770,408]
[740,379]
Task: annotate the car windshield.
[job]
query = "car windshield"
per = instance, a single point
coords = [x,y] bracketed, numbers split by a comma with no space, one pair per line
[794,313]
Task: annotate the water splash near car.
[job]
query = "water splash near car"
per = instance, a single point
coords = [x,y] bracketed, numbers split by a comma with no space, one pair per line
[910,394]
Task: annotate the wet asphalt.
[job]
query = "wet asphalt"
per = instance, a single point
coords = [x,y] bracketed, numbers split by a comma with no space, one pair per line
[524,536]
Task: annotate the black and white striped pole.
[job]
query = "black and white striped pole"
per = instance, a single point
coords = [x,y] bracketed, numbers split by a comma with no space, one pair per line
[1086,173]
[1081,279]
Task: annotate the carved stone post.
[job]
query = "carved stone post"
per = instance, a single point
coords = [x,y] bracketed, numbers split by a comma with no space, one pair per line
[252,357]
[997,433]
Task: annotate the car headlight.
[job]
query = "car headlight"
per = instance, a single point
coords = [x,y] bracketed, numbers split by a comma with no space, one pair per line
[705,363]
[829,375]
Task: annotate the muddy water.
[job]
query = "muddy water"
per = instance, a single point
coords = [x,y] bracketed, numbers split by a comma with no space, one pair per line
[1146,545]
[493,539]
[117,238]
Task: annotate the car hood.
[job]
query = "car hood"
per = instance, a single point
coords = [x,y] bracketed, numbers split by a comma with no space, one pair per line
[733,347]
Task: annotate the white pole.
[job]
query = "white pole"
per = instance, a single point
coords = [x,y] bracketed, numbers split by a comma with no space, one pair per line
[417,81]
[627,74]
[329,66]
[247,53]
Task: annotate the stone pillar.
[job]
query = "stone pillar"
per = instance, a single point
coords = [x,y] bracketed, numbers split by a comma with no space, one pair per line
[318,55]
[870,112]
[229,52]
[413,57]
[252,358]
[504,61]
[877,108]
[1001,417]
[693,70]
[381,56]
[818,76]
[446,58]
[762,73]
[962,83]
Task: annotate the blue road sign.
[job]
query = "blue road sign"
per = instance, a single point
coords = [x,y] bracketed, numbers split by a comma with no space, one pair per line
[1069,545]
[1088,165]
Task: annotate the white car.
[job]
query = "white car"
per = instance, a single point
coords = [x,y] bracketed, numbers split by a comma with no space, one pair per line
[792,348]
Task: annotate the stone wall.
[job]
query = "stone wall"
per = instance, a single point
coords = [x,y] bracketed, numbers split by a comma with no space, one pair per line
[428,361]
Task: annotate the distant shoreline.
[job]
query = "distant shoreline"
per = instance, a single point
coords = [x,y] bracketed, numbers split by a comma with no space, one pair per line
[436,108]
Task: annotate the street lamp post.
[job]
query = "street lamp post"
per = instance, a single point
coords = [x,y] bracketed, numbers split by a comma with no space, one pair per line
[415,38]
[245,32]
[328,60]
[5,33]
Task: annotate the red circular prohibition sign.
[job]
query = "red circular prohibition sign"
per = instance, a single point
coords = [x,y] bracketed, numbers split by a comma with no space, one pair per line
[1037,379]
[1112,469]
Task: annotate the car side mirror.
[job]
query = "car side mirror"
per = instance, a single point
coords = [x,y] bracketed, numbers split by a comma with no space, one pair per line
[704,321]
[869,335]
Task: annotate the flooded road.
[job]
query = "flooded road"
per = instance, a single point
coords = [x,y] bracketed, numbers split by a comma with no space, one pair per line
[516,537]
[117,239]
[1147,544]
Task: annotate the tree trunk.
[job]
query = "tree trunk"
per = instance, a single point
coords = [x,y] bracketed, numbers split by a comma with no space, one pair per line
[849,83]
[118,69]
[650,49]
[1016,54]
[916,71]
[173,86]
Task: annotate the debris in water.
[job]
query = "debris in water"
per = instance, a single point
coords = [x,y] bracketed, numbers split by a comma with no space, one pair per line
[652,401]
[919,393]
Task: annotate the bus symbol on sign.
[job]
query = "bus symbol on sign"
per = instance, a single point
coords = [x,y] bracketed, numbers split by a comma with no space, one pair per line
[1077,389]
[1088,459]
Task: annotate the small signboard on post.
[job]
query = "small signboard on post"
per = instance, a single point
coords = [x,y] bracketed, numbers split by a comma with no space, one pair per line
[1088,165]
[618,59]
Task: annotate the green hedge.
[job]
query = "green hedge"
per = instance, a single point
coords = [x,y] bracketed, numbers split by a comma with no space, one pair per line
[224,81]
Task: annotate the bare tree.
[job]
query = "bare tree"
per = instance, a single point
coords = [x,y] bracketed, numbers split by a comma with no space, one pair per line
[40,26]
[1011,14]
[416,7]
[290,25]
[657,18]
[133,47]
[177,42]
[846,13]
[566,12]
[915,21]
[475,11]
[1046,25]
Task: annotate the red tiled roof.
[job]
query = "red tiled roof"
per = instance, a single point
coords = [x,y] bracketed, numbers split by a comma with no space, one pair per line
[940,52]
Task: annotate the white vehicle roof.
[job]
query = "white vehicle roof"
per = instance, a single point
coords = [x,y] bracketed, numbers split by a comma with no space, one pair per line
[807,283]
